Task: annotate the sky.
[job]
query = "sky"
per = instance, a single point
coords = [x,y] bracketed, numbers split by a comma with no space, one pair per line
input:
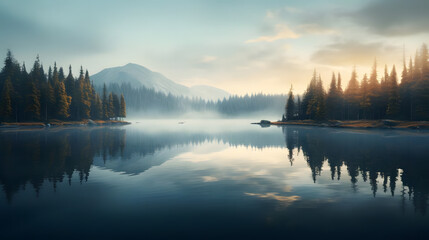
[241,46]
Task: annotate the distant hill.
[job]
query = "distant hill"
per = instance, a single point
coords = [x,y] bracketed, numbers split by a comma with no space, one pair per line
[138,76]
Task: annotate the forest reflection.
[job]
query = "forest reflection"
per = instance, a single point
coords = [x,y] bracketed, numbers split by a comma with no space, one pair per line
[35,156]
[388,155]
[32,157]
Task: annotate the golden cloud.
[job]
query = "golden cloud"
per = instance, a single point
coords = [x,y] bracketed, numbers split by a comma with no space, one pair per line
[286,200]
[283,32]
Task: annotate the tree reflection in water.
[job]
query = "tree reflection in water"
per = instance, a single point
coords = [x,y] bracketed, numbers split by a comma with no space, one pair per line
[35,156]
[55,155]
[371,154]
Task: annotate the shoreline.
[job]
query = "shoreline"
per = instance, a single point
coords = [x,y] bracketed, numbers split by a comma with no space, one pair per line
[355,124]
[57,123]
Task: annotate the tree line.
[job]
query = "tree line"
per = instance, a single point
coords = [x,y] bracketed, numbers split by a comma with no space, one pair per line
[371,98]
[37,96]
[146,100]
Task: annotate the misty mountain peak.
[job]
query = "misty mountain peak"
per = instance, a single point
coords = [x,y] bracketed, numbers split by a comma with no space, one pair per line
[138,76]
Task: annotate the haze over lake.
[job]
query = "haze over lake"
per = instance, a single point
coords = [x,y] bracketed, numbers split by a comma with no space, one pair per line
[213,179]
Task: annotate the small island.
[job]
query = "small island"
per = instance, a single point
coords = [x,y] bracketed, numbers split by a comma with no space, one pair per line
[381,124]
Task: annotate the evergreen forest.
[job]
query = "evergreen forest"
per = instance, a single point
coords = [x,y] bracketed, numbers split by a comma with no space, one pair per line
[147,100]
[404,97]
[40,96]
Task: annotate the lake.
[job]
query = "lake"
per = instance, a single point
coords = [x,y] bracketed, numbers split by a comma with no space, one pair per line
[213,179]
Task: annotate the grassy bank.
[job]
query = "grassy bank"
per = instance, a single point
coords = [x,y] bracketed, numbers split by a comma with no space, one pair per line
[395,124]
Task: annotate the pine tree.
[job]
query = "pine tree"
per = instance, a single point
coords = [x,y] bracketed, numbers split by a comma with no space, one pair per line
[37,74]
[404,76]
[50,75]
[384,93]
[94,114]
[417,65]
[51,99]
[97,108]
[374,92]
[63,101]
[33,102]
[411,90]
[69,83]
[12,72]
[421,89]
[83,93]
[340,99]
[424,57]
[77,97]
[320,101]
[116,106]
[21,93]
[37,98]
[339,84]
[393,95]
[309,106]
[72,90]
[123,109]
[6,101]
[405,92]
[61,76]
[365,102]
[331,98]
[110,107]
[105,103]
[352,97]
[7,70]
[290,106]
[298,108]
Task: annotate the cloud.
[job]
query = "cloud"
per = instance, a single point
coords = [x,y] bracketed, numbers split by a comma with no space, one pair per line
[287,188]
[292,10]
[315,28]
[346,53]
[261,172]
[280,12]
[270,14]
[287,200]
[283,32]
[22,33]
[207,59]
[380,17]
[210,179]
[394,17]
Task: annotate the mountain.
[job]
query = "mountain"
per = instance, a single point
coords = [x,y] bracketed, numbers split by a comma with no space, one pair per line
[138,76]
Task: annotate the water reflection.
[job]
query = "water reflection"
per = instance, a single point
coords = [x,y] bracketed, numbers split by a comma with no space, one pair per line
[383,159]
[390,155]
[35,156]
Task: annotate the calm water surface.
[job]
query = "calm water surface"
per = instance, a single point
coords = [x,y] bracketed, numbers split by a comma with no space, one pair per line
[213,179]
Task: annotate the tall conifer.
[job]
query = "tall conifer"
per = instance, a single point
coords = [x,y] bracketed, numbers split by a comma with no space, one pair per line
[6,101]
[331,98]
[393,94]
[105,101]
[123,110]
[290,105]
[63,101]
[352,97]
